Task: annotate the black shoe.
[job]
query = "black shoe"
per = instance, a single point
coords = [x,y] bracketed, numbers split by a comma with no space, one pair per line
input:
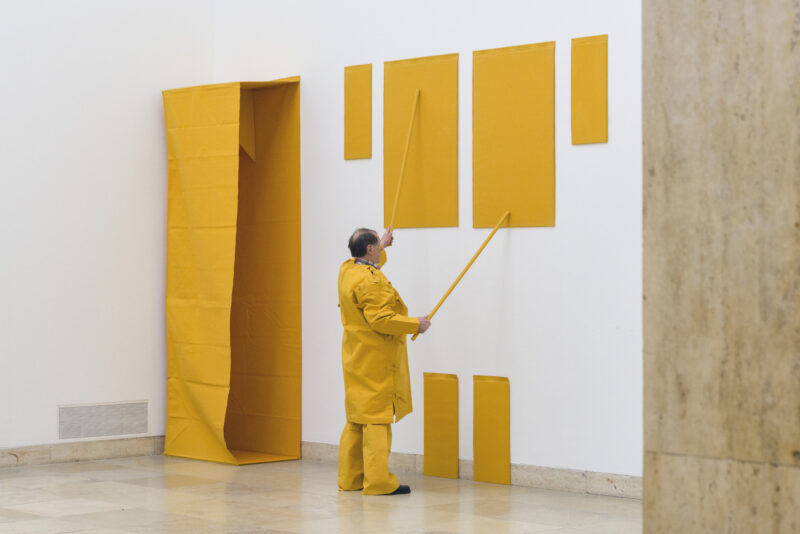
[402,489]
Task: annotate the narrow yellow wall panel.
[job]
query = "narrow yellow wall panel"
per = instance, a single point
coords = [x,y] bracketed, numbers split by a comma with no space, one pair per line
[429,195]
[441,425]
[513,122]
[590,90]
[358,112]
[491,429]
[247,125]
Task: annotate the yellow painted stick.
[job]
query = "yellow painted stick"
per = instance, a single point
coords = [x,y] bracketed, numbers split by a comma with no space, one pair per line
[405,157]
[460,276]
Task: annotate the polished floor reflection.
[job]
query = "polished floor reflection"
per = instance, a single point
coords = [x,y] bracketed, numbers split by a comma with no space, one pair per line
[161,494]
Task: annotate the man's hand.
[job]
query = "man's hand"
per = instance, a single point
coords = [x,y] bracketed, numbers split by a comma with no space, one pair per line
[386,240]
[424,324]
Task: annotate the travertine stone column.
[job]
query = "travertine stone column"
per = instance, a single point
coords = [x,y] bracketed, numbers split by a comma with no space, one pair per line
[721,96]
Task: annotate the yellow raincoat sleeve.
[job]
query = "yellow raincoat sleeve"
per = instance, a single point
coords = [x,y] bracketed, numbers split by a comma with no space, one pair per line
[377,304]
[383,257]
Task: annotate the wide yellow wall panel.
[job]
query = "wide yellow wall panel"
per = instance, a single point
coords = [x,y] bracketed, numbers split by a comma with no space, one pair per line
[491,428]
[513,123]
[590,90]
[358,112]
[263,418]
[429,194]
[441,425]
[203,147]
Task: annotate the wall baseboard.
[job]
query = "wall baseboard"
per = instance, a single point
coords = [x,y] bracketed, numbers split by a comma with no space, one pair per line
[549,478]
[76,451]
[532,476]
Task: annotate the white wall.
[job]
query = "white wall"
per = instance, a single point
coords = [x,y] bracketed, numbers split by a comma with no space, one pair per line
[83,201]
[82,218]
[556,310]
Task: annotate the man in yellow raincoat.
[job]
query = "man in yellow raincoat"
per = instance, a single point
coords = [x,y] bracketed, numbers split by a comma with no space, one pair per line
[377,386]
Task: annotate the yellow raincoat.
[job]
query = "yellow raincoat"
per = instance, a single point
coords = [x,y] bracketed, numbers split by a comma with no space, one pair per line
[374,358]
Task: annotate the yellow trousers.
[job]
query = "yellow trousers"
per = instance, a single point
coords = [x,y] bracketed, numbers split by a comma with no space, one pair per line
[364,459]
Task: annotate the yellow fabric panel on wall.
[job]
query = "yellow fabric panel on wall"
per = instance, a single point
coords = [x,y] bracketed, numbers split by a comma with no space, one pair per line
[358,112]
[203,146]
[429,195]
[590,90]
[441,425]
[513,122]
[491,428]
[264,408]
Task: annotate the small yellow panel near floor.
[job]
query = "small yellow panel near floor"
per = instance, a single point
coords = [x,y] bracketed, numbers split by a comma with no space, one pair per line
[429,194]
[513,158]
[441,425]
[358,112]
[491,429]
[590,90]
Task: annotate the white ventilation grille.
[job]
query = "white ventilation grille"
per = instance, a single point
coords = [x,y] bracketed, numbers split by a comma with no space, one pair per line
[96,420]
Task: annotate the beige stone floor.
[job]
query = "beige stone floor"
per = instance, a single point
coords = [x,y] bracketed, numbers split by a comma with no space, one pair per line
[162,494]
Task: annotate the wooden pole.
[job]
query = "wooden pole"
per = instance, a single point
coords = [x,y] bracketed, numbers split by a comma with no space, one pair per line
[405,157]
[463,272]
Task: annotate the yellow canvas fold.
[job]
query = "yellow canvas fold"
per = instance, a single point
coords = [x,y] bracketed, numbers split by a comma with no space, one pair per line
[590,90]
[247,126]
[491,427]
[271,83]
[358,112]
[441,425]
[429,195]
[513,135]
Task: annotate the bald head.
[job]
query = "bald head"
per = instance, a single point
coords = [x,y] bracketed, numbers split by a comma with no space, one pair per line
[360,239]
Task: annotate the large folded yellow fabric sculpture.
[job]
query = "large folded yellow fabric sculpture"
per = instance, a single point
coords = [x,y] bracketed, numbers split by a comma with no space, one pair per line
[233,272]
